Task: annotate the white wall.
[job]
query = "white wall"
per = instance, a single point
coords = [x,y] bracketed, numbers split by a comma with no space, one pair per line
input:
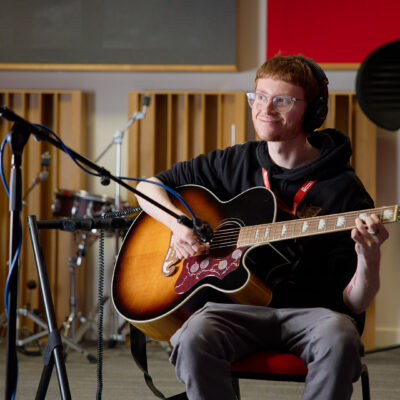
[107,112]
[388,193]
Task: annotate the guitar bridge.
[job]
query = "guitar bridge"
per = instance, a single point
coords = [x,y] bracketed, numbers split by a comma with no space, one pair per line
[170,260]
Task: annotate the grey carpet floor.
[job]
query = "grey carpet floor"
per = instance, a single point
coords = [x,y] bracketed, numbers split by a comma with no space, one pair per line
[123,380]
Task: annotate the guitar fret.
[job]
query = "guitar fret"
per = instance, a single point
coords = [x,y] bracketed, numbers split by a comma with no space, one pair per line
[296,228]
[312,226]
[330,223]
[276,231]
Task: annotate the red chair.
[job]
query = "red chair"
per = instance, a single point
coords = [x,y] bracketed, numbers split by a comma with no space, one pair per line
[271,365]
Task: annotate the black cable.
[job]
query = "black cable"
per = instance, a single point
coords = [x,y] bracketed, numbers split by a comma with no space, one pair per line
[100,340]
[131,210]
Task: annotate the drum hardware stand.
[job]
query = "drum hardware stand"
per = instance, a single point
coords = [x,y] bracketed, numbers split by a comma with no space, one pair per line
[73,263]
[69,325]
[19,136]
[24,335]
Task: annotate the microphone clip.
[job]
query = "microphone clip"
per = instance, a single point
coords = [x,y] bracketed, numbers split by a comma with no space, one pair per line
[201,229]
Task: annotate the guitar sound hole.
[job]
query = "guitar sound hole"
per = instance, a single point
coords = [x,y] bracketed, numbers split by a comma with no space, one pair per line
[224,240]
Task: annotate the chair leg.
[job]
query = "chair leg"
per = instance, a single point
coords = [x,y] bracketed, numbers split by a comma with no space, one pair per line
[236,387]
[365,382]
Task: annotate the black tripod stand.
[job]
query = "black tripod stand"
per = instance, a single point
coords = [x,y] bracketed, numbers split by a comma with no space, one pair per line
[53,352]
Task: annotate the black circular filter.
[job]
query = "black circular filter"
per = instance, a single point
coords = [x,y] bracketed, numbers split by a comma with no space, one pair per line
[378,86]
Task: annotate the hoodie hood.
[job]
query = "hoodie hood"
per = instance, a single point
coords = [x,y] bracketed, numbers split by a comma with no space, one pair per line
[334,158]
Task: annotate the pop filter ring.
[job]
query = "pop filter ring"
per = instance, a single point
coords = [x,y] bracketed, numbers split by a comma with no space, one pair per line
[378,86]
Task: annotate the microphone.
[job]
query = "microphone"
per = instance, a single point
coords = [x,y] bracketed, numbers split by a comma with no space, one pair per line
[146,99]
[201,229]
[44,173]
[86,223]
[118,135]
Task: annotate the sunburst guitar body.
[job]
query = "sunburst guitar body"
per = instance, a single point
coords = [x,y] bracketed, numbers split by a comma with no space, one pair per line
[153,290]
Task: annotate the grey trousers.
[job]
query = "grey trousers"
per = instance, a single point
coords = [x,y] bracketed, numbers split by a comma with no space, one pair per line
[218,334]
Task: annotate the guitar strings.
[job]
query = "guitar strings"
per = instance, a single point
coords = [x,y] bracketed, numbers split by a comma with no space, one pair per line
[229,237]
[225,238]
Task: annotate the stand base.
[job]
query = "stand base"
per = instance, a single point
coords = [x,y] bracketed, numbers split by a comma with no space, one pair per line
[22,342]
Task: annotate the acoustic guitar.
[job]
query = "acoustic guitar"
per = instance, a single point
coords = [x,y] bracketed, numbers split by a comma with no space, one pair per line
[153,290]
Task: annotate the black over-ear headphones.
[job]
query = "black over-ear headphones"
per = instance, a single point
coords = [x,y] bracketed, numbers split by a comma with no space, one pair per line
[318,108]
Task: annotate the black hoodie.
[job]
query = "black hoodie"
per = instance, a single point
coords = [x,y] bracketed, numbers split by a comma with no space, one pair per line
[324,264]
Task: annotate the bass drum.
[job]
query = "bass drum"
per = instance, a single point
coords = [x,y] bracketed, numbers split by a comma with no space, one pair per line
[77,204]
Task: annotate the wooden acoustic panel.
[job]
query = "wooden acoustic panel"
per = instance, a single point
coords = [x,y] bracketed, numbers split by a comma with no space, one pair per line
[181,125]
[64,113]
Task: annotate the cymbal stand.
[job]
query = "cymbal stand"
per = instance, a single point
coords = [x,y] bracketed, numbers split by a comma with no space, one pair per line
[73,263]
[69,324]
[116,331]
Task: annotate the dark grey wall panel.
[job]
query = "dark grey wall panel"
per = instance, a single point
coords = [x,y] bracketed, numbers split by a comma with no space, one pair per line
[135,32]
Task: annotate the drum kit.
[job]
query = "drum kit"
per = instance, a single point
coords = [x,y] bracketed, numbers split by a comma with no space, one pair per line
[76,205]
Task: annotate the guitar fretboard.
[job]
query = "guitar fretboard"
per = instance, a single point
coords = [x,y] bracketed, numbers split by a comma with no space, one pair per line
[250,235]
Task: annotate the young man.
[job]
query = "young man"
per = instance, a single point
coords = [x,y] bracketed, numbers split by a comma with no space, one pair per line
[318,306]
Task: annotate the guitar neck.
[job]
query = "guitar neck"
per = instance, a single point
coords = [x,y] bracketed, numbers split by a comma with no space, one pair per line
[265,233]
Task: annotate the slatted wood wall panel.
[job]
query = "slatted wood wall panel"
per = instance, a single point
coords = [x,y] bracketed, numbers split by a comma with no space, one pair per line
[345,114]
[180,125]
[64,113]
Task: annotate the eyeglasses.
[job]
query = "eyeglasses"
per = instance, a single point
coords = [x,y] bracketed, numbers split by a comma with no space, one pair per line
[280,104]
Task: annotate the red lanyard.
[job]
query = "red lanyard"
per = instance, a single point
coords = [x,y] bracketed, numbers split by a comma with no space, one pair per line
[297,198]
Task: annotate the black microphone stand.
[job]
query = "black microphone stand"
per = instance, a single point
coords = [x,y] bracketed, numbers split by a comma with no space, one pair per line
[19,136]
[17,140]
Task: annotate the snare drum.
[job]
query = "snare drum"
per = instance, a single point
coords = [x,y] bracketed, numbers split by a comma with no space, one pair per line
[74,204]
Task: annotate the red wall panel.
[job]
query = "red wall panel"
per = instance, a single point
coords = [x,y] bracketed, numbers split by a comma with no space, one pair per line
[331,31]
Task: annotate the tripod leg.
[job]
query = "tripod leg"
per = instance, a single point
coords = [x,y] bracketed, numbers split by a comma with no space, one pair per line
[55,345]
[69,342]
[44,380]
[53,355]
